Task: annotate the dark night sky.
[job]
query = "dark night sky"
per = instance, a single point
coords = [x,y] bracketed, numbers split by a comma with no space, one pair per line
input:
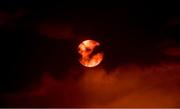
[41,37]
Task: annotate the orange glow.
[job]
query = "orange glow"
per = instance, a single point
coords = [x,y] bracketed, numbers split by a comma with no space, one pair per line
[85,49]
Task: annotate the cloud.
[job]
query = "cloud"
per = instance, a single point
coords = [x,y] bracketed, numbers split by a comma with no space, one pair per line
[126,86]
[57,30]
[11,19]
[4,17]
[172,51]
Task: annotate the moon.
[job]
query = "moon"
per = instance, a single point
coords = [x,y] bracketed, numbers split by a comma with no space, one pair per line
[88,56]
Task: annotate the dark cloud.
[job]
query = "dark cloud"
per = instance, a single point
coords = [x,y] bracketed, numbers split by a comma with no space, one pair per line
[141,56]
[4,17]
[56,29]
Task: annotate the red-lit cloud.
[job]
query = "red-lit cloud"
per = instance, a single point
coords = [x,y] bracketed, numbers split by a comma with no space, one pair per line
[125,86]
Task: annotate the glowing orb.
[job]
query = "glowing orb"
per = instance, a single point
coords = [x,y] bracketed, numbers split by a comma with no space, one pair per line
[89,57]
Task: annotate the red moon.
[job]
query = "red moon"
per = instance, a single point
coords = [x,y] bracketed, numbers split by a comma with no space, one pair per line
[88,59]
